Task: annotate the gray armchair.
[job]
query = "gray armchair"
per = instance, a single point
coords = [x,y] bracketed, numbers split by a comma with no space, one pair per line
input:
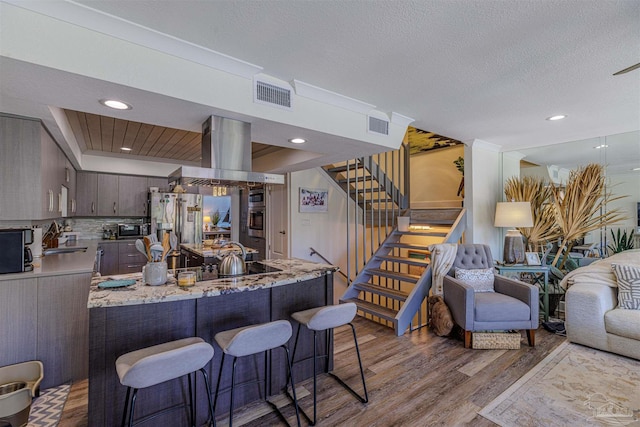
[513,305]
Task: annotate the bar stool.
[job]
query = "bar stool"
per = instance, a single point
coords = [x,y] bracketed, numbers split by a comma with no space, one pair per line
[163,362]
[250,340]
[321,319]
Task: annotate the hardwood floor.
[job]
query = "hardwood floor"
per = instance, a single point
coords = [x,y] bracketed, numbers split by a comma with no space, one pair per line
[417,379]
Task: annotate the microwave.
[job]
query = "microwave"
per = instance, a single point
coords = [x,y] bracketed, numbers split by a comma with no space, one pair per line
[15,256]
[132,231]
[256,197]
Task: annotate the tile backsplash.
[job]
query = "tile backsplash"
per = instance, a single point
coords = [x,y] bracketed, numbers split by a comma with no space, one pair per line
[91,228]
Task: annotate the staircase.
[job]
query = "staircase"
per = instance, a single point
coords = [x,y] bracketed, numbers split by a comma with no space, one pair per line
[391,268]
[395,281]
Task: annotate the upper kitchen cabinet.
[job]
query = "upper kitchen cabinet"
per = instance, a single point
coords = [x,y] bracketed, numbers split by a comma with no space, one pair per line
[132,195]
[86,193]
[107,195]
[70,183]
[161,183]
[31,169]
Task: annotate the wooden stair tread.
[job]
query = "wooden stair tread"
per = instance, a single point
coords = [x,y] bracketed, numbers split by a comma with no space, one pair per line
[382,291]
[423,233]
[404,260]
[405,277]
[405,246]
[371,308]
[343,168]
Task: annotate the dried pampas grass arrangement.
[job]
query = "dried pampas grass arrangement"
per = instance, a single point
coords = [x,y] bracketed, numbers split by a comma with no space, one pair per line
[568,212]
[538,192]
[581,207]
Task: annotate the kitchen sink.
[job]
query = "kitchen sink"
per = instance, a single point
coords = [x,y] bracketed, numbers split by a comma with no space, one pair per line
[55,251]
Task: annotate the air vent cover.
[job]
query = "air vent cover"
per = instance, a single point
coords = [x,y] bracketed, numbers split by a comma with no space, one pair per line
[267,93]
[378,126]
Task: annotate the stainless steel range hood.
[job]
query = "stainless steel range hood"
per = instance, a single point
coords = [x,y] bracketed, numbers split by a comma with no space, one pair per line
[226,157]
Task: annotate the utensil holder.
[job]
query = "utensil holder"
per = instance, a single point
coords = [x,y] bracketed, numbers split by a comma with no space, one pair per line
[155,273]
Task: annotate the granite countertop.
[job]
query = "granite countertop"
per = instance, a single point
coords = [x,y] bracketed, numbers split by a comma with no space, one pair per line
[61,264]
[293,271]
[208,251]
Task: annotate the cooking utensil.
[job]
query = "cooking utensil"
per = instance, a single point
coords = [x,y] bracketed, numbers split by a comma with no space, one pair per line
[140,247]
[165,246]
[156,251]
[153,238]
[147,247]
[232,264]
[173,241]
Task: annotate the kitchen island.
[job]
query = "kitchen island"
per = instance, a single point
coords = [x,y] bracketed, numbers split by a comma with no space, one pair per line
[138,316]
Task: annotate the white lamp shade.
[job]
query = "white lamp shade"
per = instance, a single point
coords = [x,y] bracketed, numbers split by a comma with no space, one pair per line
[513,214]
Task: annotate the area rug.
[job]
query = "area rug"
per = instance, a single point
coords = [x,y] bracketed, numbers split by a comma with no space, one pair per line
[572,386]
[47,409]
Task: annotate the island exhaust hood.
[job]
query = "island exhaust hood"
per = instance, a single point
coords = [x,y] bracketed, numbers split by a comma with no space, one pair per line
[226,157]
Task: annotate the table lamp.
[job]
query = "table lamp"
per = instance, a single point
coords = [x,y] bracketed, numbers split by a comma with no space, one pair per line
[512,215]
[206,220]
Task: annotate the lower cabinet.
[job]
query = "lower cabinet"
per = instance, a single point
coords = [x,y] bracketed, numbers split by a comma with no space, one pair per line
[47,319]
[109,259]
[121,257]
[63,328]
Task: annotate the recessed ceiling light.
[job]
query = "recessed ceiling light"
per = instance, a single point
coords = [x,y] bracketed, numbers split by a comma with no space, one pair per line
[125,148]
[115,104]
[297,140]
[597,147]
[558,117]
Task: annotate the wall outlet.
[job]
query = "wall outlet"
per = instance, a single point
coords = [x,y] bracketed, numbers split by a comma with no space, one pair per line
[306,221]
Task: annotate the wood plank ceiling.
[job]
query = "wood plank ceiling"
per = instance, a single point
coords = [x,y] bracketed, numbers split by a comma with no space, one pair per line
[107,134]
[96,133]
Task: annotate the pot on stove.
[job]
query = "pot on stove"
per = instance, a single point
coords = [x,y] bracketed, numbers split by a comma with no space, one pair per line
[232,264]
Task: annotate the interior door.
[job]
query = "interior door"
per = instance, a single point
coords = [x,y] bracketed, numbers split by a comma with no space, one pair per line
[278,226]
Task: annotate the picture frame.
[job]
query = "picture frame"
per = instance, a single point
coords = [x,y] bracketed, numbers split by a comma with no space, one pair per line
[532,258]
[313,200]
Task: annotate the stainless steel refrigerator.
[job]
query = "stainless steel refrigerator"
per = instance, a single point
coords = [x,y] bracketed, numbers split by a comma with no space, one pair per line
[178,212]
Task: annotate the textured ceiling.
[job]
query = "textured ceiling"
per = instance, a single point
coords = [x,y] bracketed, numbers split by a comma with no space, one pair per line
[492,70]
[468,69]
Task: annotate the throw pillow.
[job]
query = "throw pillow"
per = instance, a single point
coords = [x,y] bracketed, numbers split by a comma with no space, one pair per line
[628,277]
[480,279]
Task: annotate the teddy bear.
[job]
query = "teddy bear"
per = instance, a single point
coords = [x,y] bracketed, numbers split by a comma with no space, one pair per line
[440,319]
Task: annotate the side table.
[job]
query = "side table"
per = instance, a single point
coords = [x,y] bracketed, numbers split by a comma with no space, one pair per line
[540,275]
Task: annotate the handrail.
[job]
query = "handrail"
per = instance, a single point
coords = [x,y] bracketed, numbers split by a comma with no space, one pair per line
[314,252]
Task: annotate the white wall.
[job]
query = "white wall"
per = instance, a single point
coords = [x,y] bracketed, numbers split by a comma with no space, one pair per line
[325,232]
[483,179]
[435,178]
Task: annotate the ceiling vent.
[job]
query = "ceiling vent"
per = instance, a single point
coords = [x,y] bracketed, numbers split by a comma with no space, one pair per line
[271,94]
[378,125]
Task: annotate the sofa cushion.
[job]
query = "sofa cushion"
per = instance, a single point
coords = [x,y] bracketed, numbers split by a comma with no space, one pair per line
[480,279]
[628,277]
[497,307]
[624,323]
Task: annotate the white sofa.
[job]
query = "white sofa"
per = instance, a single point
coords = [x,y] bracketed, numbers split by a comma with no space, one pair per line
[592,316]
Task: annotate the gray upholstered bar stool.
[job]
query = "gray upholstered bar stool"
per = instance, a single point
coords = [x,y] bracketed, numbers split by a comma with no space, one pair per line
[250,340]
[325,319]
[163,362]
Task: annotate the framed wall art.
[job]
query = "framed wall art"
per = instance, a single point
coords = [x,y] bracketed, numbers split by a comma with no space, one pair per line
[314,200]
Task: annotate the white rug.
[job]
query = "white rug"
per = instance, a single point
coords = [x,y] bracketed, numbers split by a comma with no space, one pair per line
[47,409]
[572,386]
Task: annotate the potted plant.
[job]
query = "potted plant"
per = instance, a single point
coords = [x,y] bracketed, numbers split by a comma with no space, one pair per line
[620,242]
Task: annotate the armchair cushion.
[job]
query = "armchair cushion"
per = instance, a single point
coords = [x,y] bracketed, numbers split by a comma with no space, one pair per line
[624,323]
[480,279]
[497,307]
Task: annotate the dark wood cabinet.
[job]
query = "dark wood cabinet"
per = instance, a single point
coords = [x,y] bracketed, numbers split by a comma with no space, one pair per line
[34,165]
[47,319]
[63,328]
[132,195]
[109,263]
[107,195]
[86,193]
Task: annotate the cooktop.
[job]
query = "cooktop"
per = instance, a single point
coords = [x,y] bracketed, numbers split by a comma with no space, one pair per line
[210,271]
